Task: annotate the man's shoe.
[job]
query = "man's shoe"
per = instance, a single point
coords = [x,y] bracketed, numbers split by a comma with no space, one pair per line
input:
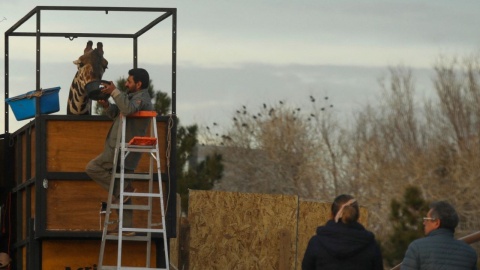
[130,189]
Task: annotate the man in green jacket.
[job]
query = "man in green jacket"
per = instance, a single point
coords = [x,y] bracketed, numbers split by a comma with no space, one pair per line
[137,98]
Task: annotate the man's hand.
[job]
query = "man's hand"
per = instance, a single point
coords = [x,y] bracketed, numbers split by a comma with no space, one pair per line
[108,88]
[104,103]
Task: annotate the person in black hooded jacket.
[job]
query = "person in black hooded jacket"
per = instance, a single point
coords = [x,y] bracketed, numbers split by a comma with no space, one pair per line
[343,243]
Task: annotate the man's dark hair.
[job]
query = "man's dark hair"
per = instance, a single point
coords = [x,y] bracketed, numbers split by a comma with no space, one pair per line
[446,213]
[140,75]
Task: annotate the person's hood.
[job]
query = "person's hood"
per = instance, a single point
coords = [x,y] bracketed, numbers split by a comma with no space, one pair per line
[342,240]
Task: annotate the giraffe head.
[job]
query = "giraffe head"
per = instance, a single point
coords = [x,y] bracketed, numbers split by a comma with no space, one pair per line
[90,67]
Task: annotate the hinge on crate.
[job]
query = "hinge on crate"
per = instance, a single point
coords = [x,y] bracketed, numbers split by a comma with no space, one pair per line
[45,183]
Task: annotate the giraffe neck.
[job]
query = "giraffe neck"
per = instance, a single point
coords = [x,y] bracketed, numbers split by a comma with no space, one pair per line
[78,101]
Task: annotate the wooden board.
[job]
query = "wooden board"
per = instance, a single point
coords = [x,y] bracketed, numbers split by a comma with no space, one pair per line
[75,205]
[21,169]
[83,254]
[24,219]
[72,144]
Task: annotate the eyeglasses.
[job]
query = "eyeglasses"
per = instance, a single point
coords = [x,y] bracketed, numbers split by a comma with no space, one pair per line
[429,218]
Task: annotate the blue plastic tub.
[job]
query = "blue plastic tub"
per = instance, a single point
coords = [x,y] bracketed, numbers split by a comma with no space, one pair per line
[24,106]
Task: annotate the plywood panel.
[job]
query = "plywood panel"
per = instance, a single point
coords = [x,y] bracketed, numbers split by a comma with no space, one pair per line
[241,231]
[230,230]
[83,254]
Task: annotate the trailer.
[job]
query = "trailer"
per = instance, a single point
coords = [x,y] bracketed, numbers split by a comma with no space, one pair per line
[52,206]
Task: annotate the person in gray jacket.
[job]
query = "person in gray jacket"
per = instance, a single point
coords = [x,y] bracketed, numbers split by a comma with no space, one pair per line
[439,249]
[136,99]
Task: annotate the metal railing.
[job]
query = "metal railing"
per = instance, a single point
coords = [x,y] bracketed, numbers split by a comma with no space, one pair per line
[469,239]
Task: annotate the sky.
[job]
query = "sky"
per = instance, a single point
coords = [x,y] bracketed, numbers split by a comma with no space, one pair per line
[246,53]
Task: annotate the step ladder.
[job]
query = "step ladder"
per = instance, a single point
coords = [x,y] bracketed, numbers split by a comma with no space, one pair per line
[147,145]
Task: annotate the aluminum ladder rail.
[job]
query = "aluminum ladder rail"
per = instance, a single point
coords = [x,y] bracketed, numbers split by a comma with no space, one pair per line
[124,148]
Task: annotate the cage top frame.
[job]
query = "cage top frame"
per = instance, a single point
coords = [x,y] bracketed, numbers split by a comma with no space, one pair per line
[164,13]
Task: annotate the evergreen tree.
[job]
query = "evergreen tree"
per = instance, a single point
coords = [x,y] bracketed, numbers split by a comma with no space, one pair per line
[201,176]
[406,220]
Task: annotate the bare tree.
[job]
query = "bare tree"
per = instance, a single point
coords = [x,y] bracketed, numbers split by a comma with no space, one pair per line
[277,150]
[388,147]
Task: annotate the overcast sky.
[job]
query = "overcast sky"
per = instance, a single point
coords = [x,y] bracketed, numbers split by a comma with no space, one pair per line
[234,53]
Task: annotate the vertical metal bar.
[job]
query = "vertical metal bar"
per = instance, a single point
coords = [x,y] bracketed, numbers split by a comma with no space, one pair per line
[37,86]
[135,52]
[160,190]
[20,214]
[172,202]
[153,133]
[40,174]
[29,221]
[123,124]
[6,81]
[19,233]
[174,62]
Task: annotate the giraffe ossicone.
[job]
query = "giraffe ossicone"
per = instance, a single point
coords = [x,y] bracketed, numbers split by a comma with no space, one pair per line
[90,67]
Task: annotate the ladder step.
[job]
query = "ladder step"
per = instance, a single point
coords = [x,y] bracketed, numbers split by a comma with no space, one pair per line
[108,267]
[131,207]
[136,176]
[139,194]
[143,149]
[139,238]
[146,230]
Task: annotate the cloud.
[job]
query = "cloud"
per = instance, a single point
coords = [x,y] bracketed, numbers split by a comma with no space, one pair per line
[248,52]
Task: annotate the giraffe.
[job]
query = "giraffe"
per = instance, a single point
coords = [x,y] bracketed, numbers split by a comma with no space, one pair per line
[91,66]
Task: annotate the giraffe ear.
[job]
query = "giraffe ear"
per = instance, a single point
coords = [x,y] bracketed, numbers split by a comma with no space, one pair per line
[89,47]
[100,47]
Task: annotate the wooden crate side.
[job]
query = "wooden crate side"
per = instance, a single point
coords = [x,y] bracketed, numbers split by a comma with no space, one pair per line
[23,255]
[72,144]
[83,254]
[24,139]
[25,220]
[33,156]
[20,151]
[232,230]
[24,216]
[75,205]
